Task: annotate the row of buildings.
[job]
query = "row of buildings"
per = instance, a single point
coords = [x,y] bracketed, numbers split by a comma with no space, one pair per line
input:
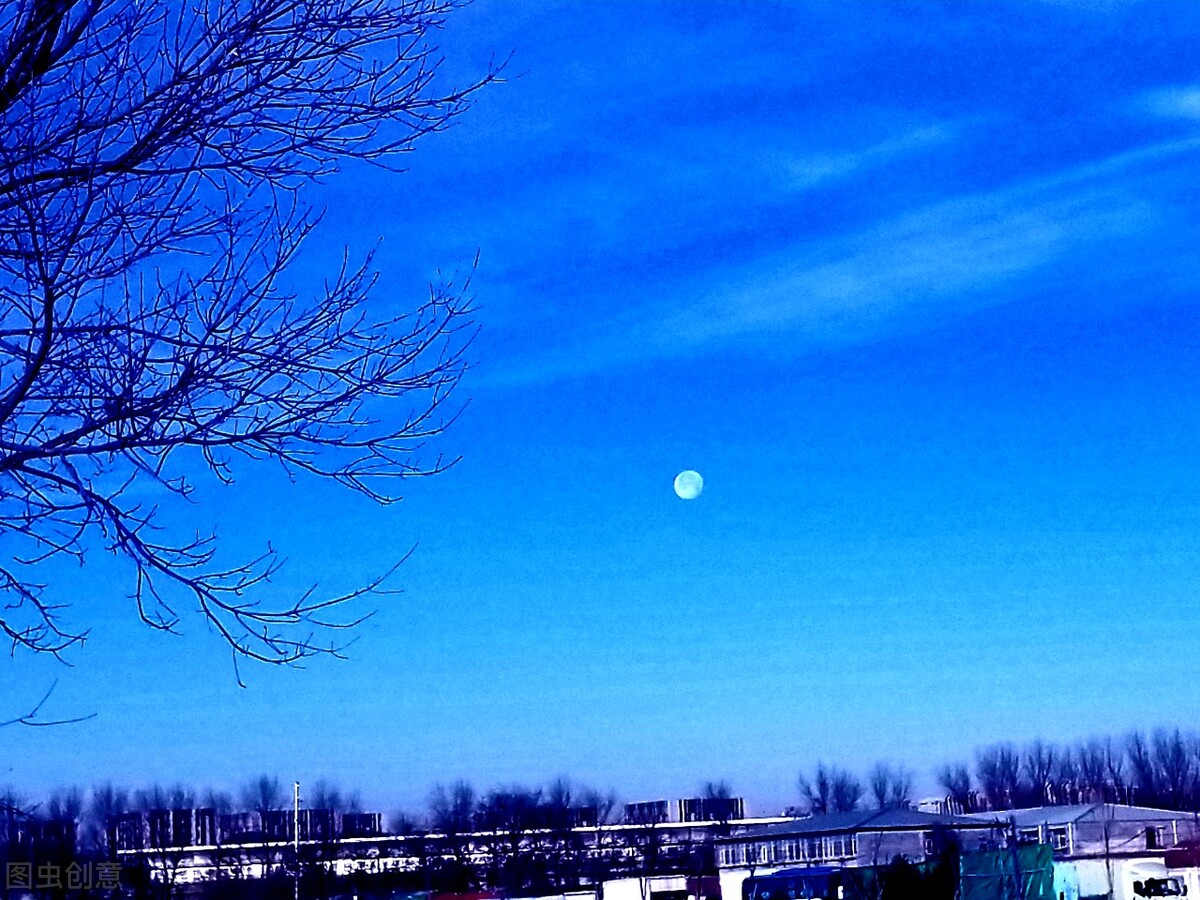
[682,850]
[166,828]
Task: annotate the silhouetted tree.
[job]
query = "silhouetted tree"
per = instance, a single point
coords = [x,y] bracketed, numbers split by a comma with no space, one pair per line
[1114,766]
[1141,765]
[1173,764]
[603,861]
[1039,761]
[453,815]
[560,844]
[104,805]
[890,788]
[1093,771]
[509,814]
[831,790]
[956,779]
[153,160]
[716,790]
[263,795]
[1065,778]
[998,769]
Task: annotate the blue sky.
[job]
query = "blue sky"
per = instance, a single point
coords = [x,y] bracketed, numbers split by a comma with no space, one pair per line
[912,285]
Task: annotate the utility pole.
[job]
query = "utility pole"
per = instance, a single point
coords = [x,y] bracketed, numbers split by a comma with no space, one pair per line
[1018,878]
[296,834]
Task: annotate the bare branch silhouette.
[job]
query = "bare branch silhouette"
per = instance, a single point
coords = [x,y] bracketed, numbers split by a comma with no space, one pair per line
[153,160]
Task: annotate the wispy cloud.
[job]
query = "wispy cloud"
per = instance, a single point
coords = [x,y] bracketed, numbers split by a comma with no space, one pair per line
[807,171]
[947,258]
[1180,102]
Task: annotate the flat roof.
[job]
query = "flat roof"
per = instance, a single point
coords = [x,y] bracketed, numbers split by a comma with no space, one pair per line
[863,820]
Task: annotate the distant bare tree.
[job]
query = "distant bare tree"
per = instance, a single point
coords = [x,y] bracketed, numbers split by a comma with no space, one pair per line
[263,795]
[831,790]
[1115,773]
[605,805]
[559,842]
[817,795]
[716,790]
[999,771]
[105,803]
[1143,777]
[454,815]
[65,806]
[14,812]
[327,795]
[604,802]
[405,824]
[1173,765]
[1038,762]
[453,809]
[220,802]
[890,788]
[956,779]
[153,157]
[154,797]
[508,815]
[1065,778]
[1093,771]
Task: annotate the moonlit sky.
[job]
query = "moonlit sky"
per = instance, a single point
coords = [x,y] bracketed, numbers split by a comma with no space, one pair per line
[912,285]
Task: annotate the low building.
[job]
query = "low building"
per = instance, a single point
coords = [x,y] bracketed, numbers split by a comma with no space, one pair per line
[1097,829]
[361,825]
[711,809]
[857,838]
[1109,850]
[647,812]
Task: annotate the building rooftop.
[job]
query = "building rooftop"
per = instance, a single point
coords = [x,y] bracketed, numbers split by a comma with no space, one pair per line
[866,820]
[1079,812]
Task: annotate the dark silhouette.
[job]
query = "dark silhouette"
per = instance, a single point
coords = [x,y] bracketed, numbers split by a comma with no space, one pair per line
[153,163]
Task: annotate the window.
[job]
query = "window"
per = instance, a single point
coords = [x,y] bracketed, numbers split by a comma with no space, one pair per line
[1058,838]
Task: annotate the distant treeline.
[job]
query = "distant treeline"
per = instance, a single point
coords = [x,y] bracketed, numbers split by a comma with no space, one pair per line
[1159,769]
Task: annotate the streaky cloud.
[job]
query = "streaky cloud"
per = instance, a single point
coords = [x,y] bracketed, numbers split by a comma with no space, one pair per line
[1176,102]
[950,257]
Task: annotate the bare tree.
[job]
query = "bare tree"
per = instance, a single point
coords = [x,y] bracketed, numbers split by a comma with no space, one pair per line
[105,804]
[1114,767]
[405,824]
[891,788]
[831,790]
[1173,764]
[1039,762]
[1143,776]
[999,771]
[509,815]
[956,779]
[716,790]
[453,814]
[603,860]
[453,809]
[1065,779]
[153,161]
[264,795]
[1093,772]
[817,795]
[327,795]
[220,802]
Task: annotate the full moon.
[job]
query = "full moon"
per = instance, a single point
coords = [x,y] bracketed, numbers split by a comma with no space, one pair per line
[688,485]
